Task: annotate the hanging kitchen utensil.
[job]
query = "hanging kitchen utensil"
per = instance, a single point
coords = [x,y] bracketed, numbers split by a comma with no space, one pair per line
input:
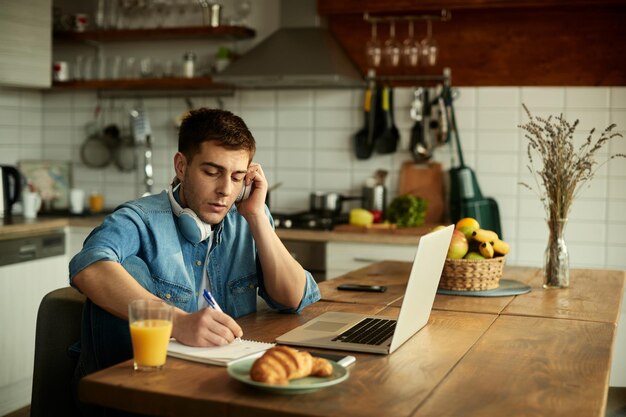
[418,146]
[126,154]
[387,141]
[364,138]
[142,134]
[466,199]
[442,134]
[95,152]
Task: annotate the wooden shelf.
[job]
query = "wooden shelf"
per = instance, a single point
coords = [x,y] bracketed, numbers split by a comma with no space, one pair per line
[333,7]
[118,35]
[498,42]
[199,83]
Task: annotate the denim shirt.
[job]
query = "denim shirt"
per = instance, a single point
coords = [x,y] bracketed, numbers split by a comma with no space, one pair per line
[143,236]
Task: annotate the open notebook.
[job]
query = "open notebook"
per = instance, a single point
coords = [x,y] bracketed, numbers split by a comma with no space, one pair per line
[218,355]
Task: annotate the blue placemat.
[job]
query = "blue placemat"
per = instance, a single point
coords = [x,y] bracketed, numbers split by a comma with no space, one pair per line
[507,288]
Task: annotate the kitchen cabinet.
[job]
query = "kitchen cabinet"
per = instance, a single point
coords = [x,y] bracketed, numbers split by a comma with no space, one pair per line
[108,37]
[25,43]
[343,257]
[498,42]
[22,287]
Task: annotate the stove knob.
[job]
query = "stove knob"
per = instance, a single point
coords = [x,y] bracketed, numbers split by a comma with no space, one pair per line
[277,223]
[287,224]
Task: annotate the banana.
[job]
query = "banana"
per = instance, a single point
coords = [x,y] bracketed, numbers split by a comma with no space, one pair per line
[483,235]
[486,250]
[501,247]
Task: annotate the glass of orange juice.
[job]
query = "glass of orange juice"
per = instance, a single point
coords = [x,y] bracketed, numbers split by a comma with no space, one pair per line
[150,330]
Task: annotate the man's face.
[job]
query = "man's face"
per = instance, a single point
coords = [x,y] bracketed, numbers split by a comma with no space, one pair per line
[212,181]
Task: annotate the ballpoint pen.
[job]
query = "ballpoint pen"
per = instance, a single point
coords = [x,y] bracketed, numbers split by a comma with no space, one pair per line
[213,304]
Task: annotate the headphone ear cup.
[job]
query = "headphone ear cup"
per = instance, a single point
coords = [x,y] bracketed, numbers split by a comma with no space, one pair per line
[192,227]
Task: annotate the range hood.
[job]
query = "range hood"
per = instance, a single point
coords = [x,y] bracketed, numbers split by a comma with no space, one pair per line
[293,57]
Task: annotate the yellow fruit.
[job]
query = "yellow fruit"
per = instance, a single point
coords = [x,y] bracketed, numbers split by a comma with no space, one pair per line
[483,235]
[438,227]
[361,217]
[501,247]
[486,250]
[467,221]
[467,226]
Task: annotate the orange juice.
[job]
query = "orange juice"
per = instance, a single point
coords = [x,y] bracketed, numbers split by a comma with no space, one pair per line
[150,339]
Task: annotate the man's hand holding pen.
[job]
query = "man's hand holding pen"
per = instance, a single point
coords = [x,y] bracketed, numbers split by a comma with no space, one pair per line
[205,327]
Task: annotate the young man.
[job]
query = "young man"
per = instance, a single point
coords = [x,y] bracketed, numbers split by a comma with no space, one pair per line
[173,245]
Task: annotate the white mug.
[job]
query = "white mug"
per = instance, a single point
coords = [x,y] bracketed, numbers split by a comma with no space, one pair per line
[77,200]
[32,203]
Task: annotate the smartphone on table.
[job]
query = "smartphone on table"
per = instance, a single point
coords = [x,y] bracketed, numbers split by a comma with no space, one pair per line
[359,287]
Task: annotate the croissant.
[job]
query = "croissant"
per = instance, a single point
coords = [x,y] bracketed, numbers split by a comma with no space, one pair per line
[281,363]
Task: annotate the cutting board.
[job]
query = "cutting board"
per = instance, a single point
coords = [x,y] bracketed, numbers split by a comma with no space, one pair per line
[426,181]
[402,231]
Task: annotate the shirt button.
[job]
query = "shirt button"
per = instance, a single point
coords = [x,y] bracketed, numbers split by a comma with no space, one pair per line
[168,296]
[251,285]
[199,263]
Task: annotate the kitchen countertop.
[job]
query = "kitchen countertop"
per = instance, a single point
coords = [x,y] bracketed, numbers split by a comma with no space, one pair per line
[18,226]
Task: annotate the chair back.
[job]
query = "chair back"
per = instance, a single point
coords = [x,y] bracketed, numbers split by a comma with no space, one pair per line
[58,327]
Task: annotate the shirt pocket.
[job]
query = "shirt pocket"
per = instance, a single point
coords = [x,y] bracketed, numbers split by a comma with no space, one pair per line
[242,293]
[174,293]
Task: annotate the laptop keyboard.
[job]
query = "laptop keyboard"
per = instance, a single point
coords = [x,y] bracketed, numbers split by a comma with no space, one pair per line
[368,332]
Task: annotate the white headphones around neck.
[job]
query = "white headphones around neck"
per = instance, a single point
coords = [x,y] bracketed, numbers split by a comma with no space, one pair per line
[190,225]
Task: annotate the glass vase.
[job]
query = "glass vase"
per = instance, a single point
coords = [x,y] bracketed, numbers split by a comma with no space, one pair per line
[556,259]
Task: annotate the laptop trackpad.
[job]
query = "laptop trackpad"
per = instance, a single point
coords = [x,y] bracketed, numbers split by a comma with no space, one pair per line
[325,326]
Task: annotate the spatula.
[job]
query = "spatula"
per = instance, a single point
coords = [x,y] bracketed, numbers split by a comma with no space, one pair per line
[387,141]
[363,139]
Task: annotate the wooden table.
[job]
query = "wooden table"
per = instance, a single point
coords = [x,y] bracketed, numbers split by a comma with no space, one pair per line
[544,353]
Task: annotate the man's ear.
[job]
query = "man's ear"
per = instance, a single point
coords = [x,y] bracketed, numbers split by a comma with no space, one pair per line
[180,165]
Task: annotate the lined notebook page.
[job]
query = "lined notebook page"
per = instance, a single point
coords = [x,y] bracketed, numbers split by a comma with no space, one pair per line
[217,355]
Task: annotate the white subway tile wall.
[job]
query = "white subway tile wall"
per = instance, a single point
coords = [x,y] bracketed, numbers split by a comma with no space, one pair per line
[304,141]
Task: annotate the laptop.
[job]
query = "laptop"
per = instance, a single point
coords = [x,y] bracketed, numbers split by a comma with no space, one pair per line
[380,334]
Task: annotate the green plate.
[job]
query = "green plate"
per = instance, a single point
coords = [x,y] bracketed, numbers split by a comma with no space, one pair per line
[240,371]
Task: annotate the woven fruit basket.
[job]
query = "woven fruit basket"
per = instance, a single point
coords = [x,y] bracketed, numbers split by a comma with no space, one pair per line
[472,275]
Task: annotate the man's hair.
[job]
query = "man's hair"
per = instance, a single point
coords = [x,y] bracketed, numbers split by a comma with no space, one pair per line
[222,126]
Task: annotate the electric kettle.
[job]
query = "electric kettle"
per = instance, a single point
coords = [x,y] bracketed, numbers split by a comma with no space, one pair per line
[10,188]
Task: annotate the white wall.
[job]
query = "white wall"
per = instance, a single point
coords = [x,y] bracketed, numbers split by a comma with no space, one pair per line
[304,141]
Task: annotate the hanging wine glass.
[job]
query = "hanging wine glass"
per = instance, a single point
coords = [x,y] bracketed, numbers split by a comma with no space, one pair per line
[373,49]
[391,49]
[411,49]
[430,49]
[242,11]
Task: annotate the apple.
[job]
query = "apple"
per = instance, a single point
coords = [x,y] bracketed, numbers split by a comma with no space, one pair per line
[458,245]
[474,256]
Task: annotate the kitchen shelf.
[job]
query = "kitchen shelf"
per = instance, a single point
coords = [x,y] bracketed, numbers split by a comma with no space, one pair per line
[117,35]
[153,87]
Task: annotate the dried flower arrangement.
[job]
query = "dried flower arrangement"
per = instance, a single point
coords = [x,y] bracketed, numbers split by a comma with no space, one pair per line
[565,170]
[558,182]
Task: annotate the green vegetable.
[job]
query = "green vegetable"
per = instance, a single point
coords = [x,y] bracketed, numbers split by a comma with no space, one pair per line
[407,211]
